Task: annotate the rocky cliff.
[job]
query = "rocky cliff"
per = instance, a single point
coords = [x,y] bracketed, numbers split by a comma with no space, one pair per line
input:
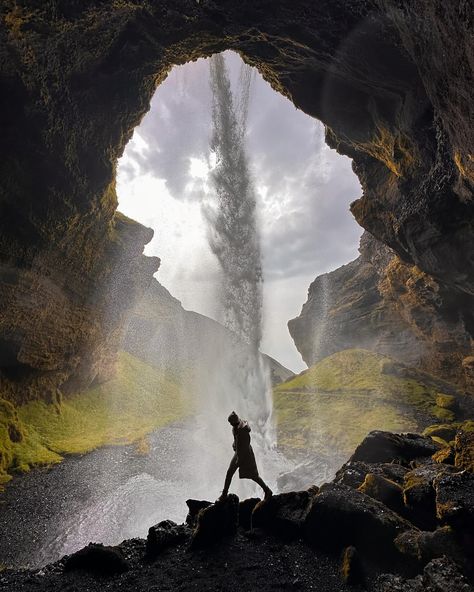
[391,79]
[380,303]
[185,343]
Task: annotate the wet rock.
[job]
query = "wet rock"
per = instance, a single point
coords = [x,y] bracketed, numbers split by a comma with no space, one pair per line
[425,546]
[351,567]
[464,451]
[340,516]
[385,447]
[245,512]
[353,473]
[440,575]
[97,559]
[194,507]
[384,490]
[283,514]
[163,535]
[216,521]
[455,501]
[419,494]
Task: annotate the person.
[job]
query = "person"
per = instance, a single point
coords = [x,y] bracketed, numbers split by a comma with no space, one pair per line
[244,458]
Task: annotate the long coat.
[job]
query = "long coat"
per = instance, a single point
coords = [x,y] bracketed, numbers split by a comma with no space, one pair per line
[243,451]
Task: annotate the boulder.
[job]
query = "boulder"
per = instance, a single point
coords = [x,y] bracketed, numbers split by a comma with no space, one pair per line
[445,431]
[351,567]
[385,447]
[425,546]
[283,514]
[245,512]
[419,494]
[455,501]
[464,451]
[163,535]
[194,507]
[353,472]
[445,455]
[98,559]
[216,521]
[440,575]
[446,401]
[384,490]
[340,516]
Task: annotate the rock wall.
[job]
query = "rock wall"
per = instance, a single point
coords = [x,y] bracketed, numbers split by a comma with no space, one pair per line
[391,79]
[379,303]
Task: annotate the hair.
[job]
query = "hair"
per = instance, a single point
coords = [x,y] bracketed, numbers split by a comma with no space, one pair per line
[233,418]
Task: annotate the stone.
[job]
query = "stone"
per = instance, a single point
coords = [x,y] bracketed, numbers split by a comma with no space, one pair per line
[163,535]
[419,493]
[455,501]
[353,473]
[445,431]
[446,401]
[425,546]
[445,455]
[383,447]
[384,490]
[214,522]
[340,516]
[246,508]
[284,514]
[97,559]
[464,451]
[194,507]
[351,567]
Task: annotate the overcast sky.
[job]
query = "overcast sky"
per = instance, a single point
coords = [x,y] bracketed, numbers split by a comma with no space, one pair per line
[304,190]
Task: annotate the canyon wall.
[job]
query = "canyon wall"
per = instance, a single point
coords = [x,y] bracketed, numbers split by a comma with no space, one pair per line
[391,79]
[380,303]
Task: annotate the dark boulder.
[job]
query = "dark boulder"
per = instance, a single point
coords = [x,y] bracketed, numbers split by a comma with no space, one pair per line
[464,451]
[353,473]
[385,447]
[425,546]
[384,490]
[163,535]
[455,501]
[419,494]
[351,567]
[215,522]
[245,512]
[98,559]
[194,507]
[340,516]
[283,514]
[440,575]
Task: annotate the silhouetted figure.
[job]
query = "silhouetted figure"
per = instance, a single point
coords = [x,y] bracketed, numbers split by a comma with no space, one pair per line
[244,458]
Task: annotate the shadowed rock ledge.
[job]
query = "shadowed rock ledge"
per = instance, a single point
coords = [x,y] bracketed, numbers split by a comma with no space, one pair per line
[390,79]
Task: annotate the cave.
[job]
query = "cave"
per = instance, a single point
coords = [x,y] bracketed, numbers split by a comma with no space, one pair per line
[390,80]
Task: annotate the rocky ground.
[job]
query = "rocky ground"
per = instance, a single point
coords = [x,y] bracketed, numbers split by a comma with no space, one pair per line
[399,516]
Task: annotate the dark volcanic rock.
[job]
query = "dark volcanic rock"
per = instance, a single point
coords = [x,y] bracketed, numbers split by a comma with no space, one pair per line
[194,507]
[464,451]
[284,514]
[425,546]
[340,516]
[385,447]
[351,567]
[220,519]
[246,508]
[98,559]
[384,490]
[353,473]
[163,535]
[455,501]
[440,575]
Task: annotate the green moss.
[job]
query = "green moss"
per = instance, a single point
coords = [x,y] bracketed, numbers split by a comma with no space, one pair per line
[123,410]
[344,396]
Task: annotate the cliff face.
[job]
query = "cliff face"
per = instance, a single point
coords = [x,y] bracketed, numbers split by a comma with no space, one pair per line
[390,79]
[377,302]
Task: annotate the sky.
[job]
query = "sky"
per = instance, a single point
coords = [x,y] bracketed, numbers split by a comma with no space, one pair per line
[303,188]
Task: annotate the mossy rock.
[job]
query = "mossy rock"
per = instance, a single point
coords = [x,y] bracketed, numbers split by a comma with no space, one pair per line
[384,490]
[446,401]
[444,431]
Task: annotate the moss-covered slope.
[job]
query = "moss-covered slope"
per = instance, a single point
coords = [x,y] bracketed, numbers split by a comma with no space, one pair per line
[123,410]
[335,403]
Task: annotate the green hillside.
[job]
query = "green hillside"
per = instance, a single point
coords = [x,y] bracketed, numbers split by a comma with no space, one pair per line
[336,402]
[123,410]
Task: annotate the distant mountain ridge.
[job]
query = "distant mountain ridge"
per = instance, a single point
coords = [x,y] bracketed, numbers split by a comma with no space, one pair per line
[162,333]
